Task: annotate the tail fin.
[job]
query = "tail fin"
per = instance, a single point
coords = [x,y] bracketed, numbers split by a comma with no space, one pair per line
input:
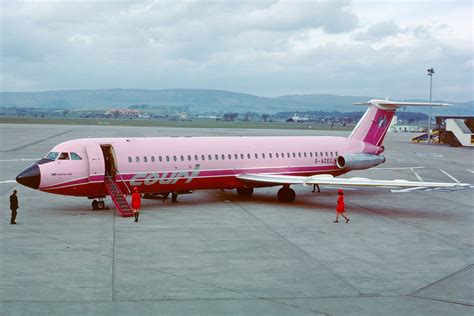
[373,126]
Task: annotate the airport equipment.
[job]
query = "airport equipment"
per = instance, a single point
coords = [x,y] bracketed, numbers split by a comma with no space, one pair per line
[453,130]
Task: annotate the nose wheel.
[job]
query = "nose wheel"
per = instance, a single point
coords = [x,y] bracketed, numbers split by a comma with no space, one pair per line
[98,205]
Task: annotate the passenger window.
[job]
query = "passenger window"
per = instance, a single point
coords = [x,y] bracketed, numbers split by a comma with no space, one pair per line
[189,157]
[327,154]
[209,157]
[248,156]
[263,156]
[229,156]
[182,158]
[288,154]
[299,155]
[304,154]
[336,153]
[75,156]
[167,158]
[256,156]
[315,154]
[145,159]
[137,159]
[223,157]
[152,158]
[321,153]
[331,153]
[160,159]
[270,154]
[241,156]
[196,158]
[203,157]
[236,156]
[216,156]
[311,154]
[276,155]
[175,158]
[294,155]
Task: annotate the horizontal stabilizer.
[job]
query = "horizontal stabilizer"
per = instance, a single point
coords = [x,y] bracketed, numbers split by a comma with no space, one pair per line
[391,105]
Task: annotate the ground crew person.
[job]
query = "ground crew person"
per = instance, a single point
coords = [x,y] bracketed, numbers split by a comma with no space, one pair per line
[13,207]
[340,210]
[136,202]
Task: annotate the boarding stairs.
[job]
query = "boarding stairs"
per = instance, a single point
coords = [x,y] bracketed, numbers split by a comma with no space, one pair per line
[118,198]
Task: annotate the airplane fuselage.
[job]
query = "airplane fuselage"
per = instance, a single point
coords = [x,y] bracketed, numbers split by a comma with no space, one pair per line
[173,164]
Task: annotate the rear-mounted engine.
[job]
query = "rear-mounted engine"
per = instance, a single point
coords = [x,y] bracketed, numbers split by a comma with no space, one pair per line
[359,161]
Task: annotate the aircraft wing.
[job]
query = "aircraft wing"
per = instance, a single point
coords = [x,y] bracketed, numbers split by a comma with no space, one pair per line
[328,179]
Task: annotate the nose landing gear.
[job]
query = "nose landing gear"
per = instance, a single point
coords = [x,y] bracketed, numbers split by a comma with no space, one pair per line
[98,205]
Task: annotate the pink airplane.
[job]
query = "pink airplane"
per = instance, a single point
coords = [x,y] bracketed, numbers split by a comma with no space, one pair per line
[97,167]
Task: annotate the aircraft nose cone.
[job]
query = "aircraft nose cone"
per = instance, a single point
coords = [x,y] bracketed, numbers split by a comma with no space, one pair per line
[30,177]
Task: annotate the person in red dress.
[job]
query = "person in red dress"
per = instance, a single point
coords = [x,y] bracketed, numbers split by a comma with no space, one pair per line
[340,210]
[136,202]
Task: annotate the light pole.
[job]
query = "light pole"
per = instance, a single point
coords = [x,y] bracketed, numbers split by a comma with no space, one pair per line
[430,73]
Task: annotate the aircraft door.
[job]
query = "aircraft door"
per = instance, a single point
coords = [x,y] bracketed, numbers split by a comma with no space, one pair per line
[96,162]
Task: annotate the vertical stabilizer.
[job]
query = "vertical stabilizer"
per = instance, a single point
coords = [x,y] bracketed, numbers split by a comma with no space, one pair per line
[373,126]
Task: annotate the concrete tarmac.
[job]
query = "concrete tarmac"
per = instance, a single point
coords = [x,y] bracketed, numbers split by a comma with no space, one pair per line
[214,253]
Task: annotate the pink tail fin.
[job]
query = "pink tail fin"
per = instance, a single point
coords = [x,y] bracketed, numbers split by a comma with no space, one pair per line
[373,126]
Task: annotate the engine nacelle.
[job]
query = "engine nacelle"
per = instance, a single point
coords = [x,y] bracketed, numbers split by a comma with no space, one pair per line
[359,161]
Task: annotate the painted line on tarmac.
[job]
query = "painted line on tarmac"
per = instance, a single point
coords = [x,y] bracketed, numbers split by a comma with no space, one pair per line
[471,171]
[35,142]
[454,179]
[399,168]
[21,159]
[417,175]
[7,181]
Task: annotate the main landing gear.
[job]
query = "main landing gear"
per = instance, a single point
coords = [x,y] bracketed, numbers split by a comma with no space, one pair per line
[286,194]
[98,205]
[245,191]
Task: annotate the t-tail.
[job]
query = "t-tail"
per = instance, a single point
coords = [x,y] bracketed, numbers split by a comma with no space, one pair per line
[373,126]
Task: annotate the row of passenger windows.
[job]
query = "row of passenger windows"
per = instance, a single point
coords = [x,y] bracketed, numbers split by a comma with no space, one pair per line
[232,157]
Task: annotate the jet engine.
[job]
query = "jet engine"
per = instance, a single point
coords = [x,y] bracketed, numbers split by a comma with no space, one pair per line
[359,161]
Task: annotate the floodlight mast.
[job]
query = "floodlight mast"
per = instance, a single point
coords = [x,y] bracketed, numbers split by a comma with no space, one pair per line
[430,73]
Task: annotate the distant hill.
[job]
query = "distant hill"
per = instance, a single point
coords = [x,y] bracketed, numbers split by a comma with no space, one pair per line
[196,100]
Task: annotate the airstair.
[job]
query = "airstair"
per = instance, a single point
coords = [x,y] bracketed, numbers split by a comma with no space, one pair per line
[462,130]
[118,198]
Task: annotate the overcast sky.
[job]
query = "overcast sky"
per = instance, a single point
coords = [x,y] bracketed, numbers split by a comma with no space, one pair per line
[267,48]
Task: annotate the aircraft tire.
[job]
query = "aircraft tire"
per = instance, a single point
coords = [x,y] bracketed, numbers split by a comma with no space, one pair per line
[286,195]
[246,191]
[94,205]
[100,205]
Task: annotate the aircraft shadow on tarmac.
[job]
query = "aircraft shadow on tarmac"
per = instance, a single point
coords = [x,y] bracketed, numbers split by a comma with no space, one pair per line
[307,201]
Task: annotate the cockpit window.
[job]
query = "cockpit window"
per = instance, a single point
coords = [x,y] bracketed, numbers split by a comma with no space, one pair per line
[64,156]
[52,155]
[75,156]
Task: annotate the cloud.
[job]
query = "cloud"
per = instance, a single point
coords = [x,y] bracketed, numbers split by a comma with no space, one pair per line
[262,47]
[378,31]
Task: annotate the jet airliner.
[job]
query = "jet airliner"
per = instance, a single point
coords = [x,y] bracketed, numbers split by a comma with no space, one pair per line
[100,167]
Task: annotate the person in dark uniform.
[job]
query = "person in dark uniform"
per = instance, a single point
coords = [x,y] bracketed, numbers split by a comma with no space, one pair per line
[13,206]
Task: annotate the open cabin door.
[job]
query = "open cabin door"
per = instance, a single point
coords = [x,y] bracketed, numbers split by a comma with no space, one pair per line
[110,163]
[96,162]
